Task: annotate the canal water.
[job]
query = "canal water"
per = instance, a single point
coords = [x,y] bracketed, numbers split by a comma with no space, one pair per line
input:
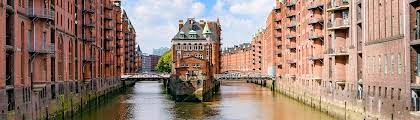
[236,101]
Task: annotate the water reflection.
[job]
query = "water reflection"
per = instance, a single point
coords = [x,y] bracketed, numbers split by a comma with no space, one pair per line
[237,101]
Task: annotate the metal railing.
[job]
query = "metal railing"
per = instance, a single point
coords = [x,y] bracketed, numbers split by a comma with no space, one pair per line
[89,10]
[89,24]
[314,36]
[43,50]
[291,46]
[339,23]
[316,56]
[337,3]
[89,39]
[41,13]
[314,20]
[340,50]
[89,58]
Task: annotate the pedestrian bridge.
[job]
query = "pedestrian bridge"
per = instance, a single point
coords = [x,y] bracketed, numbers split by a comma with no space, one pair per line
[145,76]
[242,76]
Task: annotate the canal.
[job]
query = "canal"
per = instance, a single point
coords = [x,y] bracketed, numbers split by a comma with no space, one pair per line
[236,101]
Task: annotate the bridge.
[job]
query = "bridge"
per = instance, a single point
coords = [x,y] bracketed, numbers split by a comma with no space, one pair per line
[242,76]
[145,76]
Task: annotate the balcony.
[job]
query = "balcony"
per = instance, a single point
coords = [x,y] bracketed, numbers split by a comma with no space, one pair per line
[316,56]
[108,18]
[108,28]
[43,50]
[316,36]
[277,19]
[340,51]
[89,39]
[315,6]
[89,10]
[339,25]
[277,35]
[315,20]
[291,46]
[108,38]
[292,25]
[89,24]
[290,3]
[291,61]
[278,27]
[291,14]
[109,48]
[337,5]
[40,14]
[88,59]
[290,36]
[108,63]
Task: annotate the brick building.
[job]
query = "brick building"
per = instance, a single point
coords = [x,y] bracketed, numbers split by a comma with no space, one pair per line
[238,58]
[56,51]
[361,55]
[196,57]
[149,62]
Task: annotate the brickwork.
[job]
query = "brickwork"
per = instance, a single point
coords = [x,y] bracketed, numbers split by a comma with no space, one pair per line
[352,54]
[55,52]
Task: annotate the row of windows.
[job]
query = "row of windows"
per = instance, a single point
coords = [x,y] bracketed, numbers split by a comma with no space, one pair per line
[189,47]
[195,65]
[383,92]
[386,64]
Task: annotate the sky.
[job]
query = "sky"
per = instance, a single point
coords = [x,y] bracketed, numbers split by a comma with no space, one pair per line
[156,21]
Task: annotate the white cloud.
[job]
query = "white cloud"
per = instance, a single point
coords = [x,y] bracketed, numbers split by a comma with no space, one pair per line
[156,21]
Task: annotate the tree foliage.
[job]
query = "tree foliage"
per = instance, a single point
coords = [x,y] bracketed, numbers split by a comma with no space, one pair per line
[165,62]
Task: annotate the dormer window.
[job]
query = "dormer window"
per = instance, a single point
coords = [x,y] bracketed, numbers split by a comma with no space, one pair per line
[193,34]
[182,34]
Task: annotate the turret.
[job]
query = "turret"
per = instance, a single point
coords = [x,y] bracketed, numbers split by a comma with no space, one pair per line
[206,31]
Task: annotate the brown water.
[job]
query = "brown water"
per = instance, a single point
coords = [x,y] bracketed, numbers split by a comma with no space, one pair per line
[236,101]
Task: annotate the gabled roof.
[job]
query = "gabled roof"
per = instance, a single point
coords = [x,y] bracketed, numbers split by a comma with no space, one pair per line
[190,27]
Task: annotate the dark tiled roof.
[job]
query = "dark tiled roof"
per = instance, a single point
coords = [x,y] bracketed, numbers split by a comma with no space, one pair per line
[190,27]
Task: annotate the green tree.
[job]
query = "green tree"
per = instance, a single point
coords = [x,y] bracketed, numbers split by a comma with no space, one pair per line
[165,62]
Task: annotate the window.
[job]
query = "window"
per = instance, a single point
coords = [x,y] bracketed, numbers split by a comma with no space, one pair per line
[392,64]
[373,64]
[367,65]
[44,40]
[417,27]
[399,64]
[392,93]
[10,100]
[379,91]
[418,64]
[385,65]
[379,65]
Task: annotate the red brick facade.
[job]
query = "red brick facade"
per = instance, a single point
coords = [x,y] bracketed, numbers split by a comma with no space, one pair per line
[349,53]
[58,51]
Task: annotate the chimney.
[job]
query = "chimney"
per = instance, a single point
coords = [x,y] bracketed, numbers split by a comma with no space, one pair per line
[202,23]
[180,24]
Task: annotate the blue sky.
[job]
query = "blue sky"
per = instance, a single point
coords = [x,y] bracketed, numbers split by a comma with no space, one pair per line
[156,21]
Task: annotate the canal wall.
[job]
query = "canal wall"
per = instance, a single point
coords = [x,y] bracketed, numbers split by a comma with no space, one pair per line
[331,103]
[335,109]
[70,102]
[74,104]
[192,91]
